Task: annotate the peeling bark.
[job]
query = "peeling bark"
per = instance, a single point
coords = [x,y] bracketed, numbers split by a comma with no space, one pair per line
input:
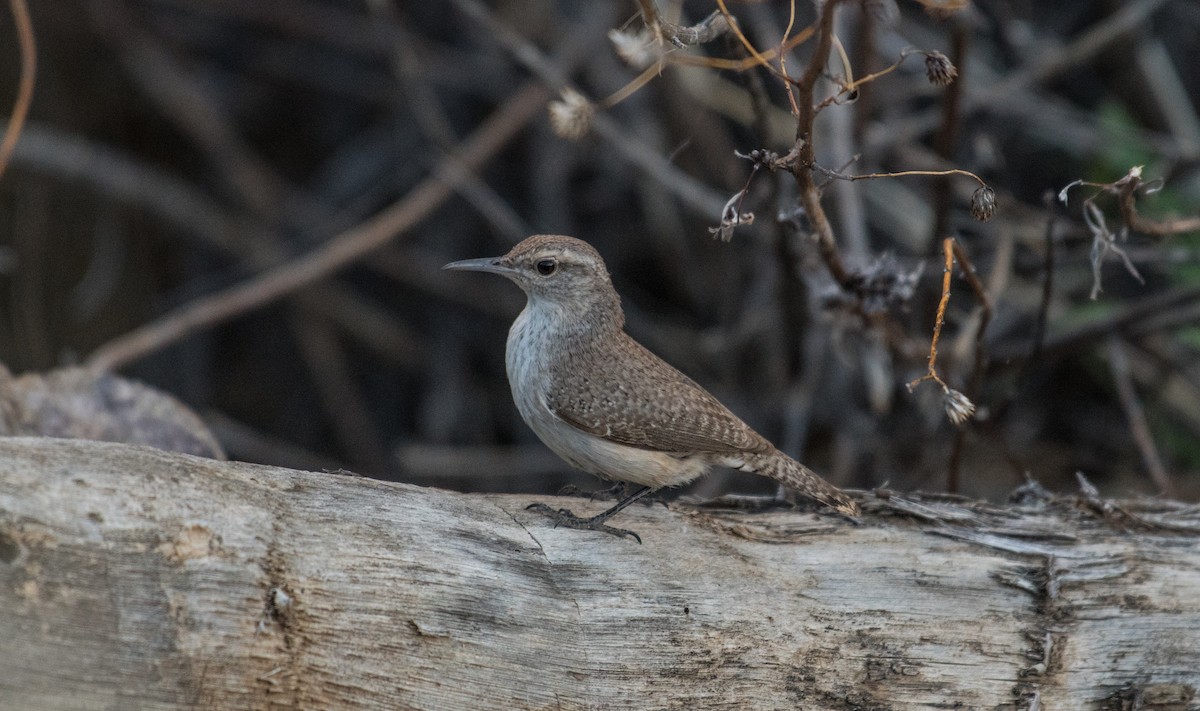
[132,578]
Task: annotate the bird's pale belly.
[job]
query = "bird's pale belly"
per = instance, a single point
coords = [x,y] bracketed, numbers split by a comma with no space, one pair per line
[587,452]
[613,461]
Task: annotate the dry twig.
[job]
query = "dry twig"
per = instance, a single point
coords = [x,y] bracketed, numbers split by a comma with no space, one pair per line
[1150,314]
[342,250]
[1118,364]
[1127,191]
[959,407]
[20,109]
[1104,240]
[975,380]
[682,36]
[802,166]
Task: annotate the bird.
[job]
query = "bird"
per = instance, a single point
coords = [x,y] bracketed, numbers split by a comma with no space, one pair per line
[606,404]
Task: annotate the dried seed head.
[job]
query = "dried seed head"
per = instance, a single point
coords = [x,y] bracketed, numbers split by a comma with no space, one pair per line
[983,204]
[959,407]
[732,216]
[571,115]
[637,49]
[939,69]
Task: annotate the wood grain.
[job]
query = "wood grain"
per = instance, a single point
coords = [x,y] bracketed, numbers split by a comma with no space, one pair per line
[132,578]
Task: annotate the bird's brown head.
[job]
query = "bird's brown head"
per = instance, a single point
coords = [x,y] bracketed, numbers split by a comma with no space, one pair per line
[562,270]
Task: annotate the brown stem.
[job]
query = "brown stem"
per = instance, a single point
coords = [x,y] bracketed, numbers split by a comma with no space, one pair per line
[16,120]
[939,318]
[947,135]
[1127,199]
[968,271]
[1039,326]
[346,248]
[802,167]
[649,12]
[838,175]
[975,381]
[1135,415]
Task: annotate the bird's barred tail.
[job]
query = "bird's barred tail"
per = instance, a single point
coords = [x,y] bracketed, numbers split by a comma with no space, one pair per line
[799,478]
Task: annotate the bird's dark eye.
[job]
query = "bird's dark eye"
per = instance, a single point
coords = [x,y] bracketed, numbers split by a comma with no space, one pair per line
[546,267]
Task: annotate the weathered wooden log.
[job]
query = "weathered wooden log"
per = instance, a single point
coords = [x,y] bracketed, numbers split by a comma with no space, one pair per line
[132,578]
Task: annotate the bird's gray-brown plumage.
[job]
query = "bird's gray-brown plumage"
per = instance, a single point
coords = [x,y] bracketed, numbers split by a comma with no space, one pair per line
[606,404]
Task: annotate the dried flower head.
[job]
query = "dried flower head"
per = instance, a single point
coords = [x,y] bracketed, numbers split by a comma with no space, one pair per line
[940,70]
[983,204]
[762,158]
[732,216]
[636,48]
[959,407]
[571,115]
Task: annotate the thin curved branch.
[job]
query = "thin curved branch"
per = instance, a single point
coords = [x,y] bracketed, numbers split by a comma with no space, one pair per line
[20,110]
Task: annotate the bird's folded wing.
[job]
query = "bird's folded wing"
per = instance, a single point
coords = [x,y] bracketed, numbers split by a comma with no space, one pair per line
[640,401]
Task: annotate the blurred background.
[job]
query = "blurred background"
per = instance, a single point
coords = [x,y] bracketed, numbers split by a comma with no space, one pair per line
[178,149]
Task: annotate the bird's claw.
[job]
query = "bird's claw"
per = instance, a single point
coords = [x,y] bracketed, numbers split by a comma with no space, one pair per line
[567,519]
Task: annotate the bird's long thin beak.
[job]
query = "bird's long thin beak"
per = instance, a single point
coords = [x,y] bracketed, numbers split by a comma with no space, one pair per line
[486,264]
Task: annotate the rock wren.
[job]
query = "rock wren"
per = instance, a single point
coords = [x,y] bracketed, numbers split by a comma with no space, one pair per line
[607,405]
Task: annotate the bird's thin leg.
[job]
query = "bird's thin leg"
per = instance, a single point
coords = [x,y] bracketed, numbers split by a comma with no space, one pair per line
[564,517]
[601,518]
[617,491]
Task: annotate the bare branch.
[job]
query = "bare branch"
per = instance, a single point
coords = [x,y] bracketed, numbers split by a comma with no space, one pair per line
[20,109]
[339,252]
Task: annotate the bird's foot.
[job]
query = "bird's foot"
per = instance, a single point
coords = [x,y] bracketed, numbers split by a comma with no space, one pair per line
[564,517]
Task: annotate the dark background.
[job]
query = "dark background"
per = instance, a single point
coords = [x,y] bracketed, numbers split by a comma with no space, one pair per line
[176,148]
